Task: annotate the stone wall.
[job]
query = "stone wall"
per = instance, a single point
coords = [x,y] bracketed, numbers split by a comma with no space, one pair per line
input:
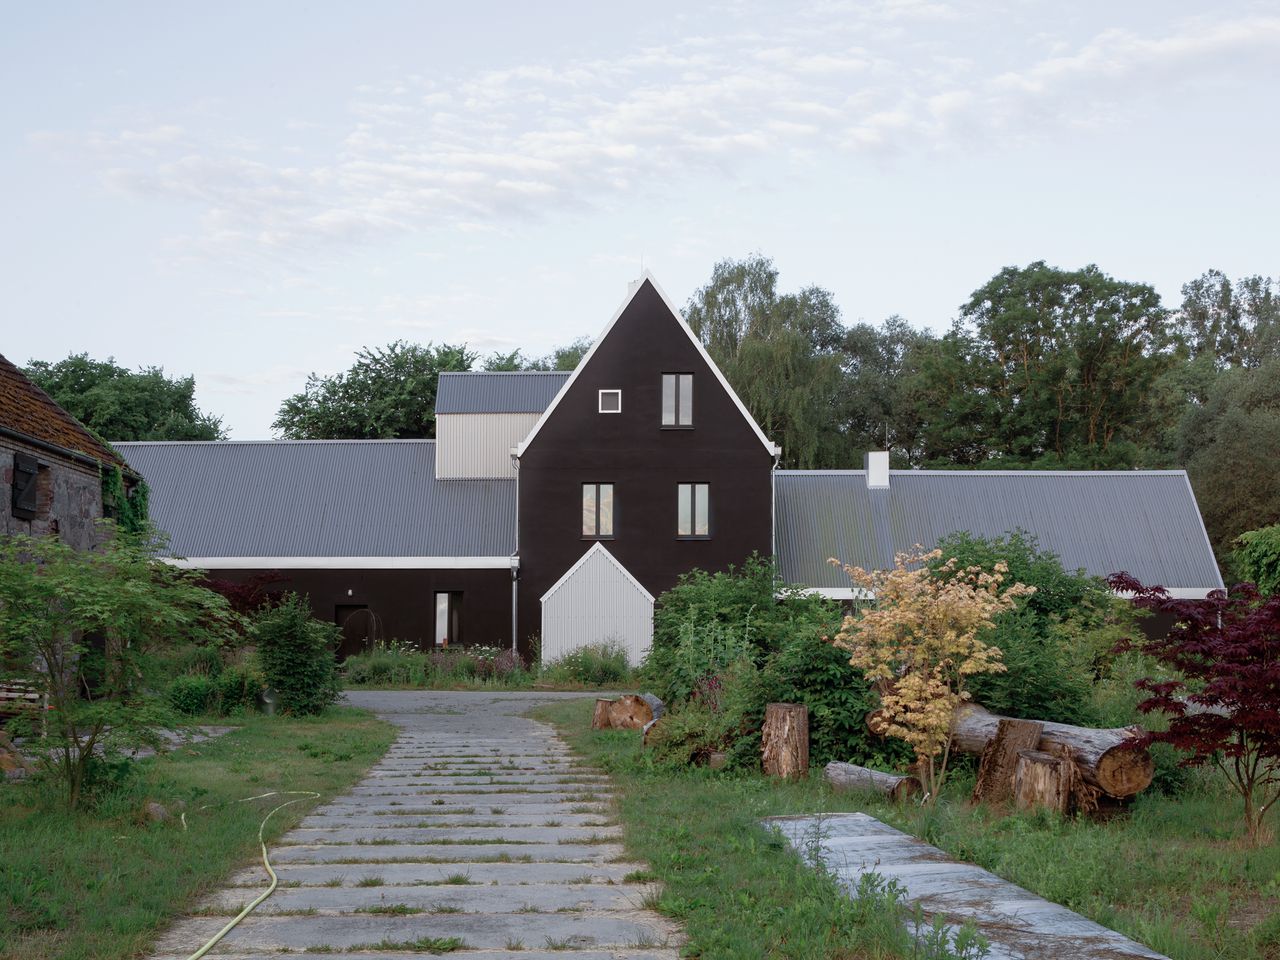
[70,497]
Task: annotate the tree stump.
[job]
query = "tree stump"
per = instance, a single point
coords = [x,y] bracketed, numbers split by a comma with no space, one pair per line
[630,712]
[1000,759]
[848,777]
[1043,780]
[785,741]
[600,719]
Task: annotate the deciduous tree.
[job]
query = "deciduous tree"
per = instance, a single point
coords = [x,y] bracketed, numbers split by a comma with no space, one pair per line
[920,638]
[121,404]
[1224,704]
[388,393]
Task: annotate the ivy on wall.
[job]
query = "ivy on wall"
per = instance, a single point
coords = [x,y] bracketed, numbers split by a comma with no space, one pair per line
[128,508]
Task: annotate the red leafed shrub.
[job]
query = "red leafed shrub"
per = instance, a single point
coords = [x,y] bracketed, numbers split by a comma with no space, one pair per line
[248,596]
[1225,709]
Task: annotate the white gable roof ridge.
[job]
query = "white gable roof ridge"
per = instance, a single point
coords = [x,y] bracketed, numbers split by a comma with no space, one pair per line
[595,548]
[634,288]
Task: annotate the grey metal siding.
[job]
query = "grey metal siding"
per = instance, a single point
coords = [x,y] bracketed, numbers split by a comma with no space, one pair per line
[598,602]
[1143,522]
[484,392]
[478,445]
[338,498]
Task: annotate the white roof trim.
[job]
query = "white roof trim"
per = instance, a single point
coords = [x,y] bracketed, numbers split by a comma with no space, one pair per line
[342,563]
[597,548]
[772,448]
[850,593]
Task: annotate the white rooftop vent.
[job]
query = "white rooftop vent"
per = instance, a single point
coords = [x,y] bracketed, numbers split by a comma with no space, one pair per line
[877,465]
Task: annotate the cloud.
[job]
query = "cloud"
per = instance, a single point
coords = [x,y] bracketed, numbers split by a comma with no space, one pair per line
[477,151]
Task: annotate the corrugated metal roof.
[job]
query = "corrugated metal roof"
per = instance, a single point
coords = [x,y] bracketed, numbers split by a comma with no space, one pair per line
[321,498]
[483,392]
[1144,522]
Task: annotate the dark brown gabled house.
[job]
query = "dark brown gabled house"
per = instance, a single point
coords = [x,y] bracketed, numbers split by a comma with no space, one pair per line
[51,466]
[556,508]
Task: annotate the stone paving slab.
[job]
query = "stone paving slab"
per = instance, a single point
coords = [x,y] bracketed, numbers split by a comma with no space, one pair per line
[1019,924]
[408,874]
[384,832]
[621,928]
[442,852]
[473,898]
[368,802]
[614,954]
[554,816]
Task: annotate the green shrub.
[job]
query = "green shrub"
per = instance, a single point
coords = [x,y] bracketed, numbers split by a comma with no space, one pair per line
[809,671]
[297,655]
[1257,559]
[716,717]
[594,664]
[193,694]
[749,600]
[238,688]
[1057,643]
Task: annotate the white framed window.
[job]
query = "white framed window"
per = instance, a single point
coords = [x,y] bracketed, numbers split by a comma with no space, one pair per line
[693,510]
[597,509]
[610,401]
[677,399]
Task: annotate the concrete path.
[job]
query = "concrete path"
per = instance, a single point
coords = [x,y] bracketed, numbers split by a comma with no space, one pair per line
[1020,925]
[477,826]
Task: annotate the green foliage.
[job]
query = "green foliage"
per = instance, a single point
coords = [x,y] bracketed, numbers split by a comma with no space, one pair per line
[73,620]
[128,507]
[297,655]
[1057,643]
[782,353]
[750,601]
[597,663]
[808,670]
[121,404]
[401,664]
[193,694]
[703,648]
[1257,559]
[388,393]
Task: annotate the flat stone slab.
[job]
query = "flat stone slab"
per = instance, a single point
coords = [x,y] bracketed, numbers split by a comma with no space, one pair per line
[1019,924]
[442,852]
[629,953]
[470,898]
[522,818]
[392,832]
[412,874]
[477,930]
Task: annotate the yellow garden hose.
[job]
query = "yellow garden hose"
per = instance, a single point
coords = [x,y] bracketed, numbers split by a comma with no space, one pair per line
[275,881]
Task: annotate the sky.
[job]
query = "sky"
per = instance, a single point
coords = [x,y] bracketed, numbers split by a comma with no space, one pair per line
[249,192]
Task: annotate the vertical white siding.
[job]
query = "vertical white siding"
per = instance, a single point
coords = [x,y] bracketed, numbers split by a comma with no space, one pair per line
[473,446]
[597,602]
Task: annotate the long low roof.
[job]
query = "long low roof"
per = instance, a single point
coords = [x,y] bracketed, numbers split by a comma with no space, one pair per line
[524,391]
[310,499]
[1143,522]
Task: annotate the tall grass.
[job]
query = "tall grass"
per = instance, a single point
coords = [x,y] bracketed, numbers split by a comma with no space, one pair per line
[397,664]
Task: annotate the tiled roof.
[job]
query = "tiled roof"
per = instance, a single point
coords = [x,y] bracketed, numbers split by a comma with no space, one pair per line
[1143,522]
[26,409]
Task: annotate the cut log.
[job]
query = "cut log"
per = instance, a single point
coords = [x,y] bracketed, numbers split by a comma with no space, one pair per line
[630,712]
[784,744]
[655,705]
[849,777]
[600,719]
[1105,758]
[1000,758]
[1043,780]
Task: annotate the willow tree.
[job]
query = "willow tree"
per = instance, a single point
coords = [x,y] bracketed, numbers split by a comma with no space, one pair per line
[783,354]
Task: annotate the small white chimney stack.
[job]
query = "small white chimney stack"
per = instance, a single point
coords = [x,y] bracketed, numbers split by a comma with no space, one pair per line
[877,465]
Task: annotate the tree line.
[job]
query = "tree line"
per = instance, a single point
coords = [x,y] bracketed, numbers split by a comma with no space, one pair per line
[1042,368]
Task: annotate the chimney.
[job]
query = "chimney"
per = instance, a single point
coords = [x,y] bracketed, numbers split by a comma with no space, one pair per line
[877,466]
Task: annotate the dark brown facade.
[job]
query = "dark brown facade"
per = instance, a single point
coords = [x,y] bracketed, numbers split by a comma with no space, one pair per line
[644,461]
[400,604]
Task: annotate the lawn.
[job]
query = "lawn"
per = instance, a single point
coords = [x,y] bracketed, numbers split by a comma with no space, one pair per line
[102,885]
[1171,872]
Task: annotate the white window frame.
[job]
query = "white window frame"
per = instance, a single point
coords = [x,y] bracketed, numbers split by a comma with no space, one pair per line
[600,401]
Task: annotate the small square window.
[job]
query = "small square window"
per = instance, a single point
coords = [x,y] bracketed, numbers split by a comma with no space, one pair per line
[610,401]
